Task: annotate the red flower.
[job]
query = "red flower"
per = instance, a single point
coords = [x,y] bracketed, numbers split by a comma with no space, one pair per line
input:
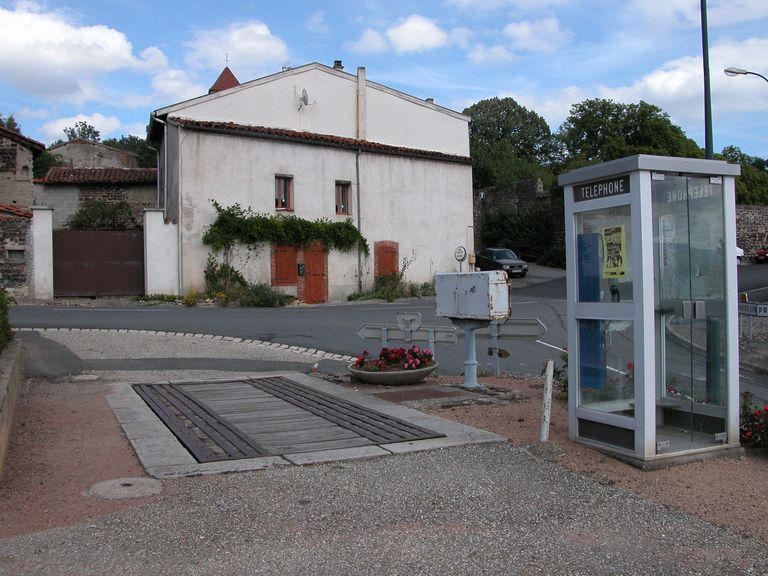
[631,366]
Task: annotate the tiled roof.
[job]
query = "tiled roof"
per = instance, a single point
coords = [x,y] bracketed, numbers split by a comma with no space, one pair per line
[11,212]
[225,81]
[61,175]
[34,145]
[312,138]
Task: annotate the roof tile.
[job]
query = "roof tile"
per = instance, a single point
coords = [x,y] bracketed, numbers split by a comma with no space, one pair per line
[62,175]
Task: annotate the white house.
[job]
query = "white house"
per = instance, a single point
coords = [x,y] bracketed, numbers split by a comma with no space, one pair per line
[317,143]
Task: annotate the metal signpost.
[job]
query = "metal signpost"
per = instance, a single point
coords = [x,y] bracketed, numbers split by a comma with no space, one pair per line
[511,329]
[408,328]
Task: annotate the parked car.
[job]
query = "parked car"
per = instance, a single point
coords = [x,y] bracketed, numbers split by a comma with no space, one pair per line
[739,254]
[501,259]
[761,255]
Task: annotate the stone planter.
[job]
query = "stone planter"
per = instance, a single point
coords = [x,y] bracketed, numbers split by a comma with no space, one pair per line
[393,377]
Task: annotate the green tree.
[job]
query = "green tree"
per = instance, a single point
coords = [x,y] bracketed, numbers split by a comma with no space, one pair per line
[147,156]
[599,130]
[82,131]
[752,185]
[507,142]
[9,123]
[42,163]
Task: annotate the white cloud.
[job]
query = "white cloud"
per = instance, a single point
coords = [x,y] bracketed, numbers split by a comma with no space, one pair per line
[316,23]
[370,42]
[416,34]
[176,86]
[555,107]
[480,54]
[251,47]
[106,125]
[462,37]
[46,54]
[537,35]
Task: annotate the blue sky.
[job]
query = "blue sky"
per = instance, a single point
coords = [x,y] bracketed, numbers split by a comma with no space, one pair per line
[112,62]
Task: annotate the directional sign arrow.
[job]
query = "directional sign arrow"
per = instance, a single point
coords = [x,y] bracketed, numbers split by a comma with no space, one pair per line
[516,329]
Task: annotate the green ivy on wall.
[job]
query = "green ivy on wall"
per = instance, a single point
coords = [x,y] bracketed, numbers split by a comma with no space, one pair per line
[237,224]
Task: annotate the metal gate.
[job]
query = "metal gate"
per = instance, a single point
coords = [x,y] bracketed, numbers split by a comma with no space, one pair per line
[98,263]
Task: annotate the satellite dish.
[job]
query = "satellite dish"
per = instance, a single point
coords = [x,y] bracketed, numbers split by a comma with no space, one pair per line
[303,99]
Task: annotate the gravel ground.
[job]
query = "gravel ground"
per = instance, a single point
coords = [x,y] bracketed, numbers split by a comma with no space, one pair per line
[470,510]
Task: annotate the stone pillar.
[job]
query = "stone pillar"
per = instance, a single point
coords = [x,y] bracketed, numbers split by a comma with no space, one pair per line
[41,279]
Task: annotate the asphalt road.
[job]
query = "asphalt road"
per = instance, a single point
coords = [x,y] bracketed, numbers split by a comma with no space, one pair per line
[334,327]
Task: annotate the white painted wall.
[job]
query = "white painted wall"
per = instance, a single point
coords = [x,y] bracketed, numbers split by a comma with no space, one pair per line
[161,254]
[41,285]
[392,117]
[426,206]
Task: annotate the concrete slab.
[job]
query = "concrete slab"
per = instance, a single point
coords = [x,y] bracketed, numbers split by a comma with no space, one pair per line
[336,455]
[197,469]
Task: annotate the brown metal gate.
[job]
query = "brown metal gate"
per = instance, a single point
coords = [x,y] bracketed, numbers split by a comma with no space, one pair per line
[98,263]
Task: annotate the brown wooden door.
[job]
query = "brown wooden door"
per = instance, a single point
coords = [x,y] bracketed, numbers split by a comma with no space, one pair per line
[385,258]
[315,274]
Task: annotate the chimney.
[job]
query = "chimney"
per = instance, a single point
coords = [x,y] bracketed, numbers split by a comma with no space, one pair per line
[337,65]
[430,100]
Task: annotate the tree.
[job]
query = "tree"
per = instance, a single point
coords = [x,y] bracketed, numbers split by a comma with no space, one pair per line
[599,130]
[82,131]
[507,142]
[9,123]
[752,185]
[42,163]
[147,156]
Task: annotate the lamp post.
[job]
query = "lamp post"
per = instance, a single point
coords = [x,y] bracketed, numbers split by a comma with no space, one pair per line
[741,72]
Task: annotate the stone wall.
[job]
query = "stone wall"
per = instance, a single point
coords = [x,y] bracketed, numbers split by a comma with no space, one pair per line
[13,255]
[751,228]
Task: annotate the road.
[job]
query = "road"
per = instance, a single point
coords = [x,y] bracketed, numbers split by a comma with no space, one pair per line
[333,327]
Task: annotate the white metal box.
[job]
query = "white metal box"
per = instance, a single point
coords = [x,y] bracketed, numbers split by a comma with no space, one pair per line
[473,295]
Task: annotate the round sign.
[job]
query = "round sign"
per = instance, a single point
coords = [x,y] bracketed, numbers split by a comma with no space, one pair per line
[460,253]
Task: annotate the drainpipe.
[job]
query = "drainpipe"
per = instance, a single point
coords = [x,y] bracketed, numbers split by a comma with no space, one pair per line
[361,125]
[359,229]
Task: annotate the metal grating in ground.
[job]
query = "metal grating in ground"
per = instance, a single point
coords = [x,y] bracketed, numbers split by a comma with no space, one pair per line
[269,417]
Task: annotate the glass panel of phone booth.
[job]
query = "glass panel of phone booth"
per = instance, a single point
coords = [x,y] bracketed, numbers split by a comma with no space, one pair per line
[689,296]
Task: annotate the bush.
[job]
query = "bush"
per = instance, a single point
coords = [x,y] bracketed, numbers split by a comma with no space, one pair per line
[223,282]
[6,334]
[560,376]
[101,215]
[263,295]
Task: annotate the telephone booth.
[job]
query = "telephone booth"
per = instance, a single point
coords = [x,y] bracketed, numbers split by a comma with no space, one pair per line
[653,372]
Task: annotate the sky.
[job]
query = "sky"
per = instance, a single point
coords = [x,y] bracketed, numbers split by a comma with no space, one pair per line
[112,62]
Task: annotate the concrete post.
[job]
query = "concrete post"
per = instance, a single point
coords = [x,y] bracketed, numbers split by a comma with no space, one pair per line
[41,287]
[161,254]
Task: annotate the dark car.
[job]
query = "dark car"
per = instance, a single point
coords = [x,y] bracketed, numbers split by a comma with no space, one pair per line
[501,259]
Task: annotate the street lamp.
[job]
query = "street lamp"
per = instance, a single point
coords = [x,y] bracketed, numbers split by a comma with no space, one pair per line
[741,72]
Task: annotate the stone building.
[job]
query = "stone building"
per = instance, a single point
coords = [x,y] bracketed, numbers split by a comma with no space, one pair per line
[86,154]
[17,154]
[67,189]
